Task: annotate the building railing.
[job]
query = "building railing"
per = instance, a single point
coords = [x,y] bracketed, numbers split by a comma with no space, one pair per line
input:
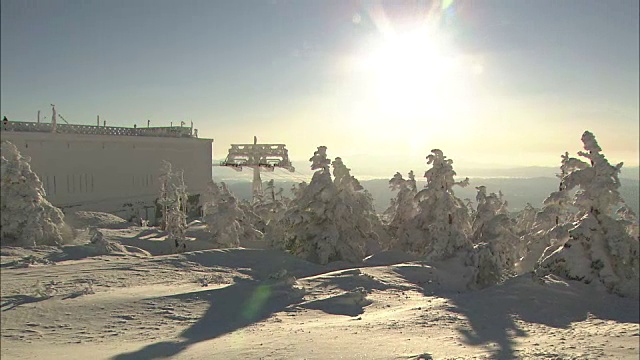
[24,126]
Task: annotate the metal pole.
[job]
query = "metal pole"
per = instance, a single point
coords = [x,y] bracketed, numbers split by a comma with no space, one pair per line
[53,118]
[257,183]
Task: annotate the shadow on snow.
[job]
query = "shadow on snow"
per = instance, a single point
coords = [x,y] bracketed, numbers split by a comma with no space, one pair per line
[230,308]
[492,313]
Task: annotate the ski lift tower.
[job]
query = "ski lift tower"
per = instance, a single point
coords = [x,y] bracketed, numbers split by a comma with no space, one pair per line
[258,157]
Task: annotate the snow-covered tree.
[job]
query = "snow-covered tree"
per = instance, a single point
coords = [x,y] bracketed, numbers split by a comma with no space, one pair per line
[225,219]
[298,189]
[28,219]
[272,207]
[470,208]
[252,224]
[359,206]
[441,226]
[173,199]
[629,219]
[403,206]
[498,247]
[550,227]
[210,197]
[497,252]
[328,219]
[525,220]
[599,248]
[488,207]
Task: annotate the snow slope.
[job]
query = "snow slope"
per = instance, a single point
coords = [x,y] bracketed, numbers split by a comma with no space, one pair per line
[265,304]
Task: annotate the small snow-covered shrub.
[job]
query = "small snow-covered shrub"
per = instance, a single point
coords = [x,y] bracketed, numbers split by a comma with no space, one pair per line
[45,291]
[82,288]
[104,246]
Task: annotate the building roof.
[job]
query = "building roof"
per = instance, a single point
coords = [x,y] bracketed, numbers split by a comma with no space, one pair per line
[166,131]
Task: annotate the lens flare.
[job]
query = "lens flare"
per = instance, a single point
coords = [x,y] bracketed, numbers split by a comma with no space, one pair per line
[254,304]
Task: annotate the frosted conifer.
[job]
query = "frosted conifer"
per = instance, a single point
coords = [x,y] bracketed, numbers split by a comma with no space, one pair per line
[441,226]
[328,220]
[599,248]
[173,199]
[28,219]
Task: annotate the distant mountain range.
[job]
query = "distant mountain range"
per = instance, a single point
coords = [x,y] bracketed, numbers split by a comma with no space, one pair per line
[518,191]
[303,171]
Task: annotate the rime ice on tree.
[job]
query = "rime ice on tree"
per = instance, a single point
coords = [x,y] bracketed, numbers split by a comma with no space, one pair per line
[28,219]
[498,248]
[550,228]
[173,198]
[441,226]
[225,219]
[327,220]
[525,219]
[488,207]
[403,206]
[599,248]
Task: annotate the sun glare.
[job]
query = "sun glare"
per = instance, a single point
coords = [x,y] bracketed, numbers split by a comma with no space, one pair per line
[416,77]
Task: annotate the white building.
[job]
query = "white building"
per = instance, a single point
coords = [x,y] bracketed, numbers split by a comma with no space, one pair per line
[110,169]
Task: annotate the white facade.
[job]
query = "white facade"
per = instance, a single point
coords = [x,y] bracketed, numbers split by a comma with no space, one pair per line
[105,172]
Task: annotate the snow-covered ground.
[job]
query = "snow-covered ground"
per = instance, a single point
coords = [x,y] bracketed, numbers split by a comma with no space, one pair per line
[256,303]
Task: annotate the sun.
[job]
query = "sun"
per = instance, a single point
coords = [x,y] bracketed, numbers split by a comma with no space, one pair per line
[416,76]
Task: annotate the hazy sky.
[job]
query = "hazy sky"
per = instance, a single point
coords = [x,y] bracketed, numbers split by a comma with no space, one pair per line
[491,83]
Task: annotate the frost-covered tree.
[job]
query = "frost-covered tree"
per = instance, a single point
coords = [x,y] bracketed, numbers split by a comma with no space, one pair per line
[441,226]
[488,207]
[328,220]
[252,224]
[599,248]
[403,206]
[359,207]
[470,208]
[497,252]
[298,189]
[173,199]
[28,219]
[225,219]
[210,197]
[629,219]
[550,228]
[525,219]
[498,247]
[272,207]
